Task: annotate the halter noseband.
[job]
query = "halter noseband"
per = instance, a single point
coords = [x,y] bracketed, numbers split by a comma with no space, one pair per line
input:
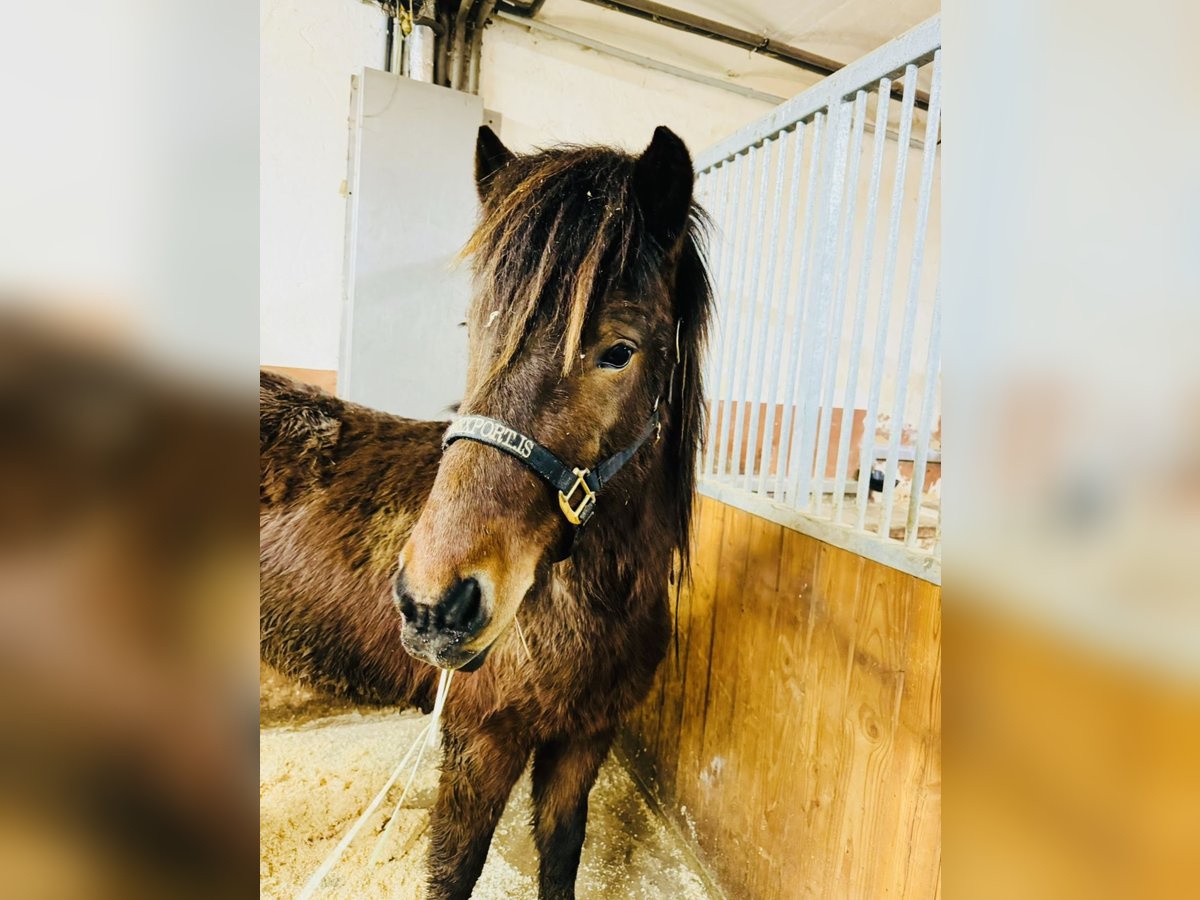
[566,480]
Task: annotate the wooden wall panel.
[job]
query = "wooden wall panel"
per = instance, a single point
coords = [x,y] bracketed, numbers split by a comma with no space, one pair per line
[794,731]
[325,379]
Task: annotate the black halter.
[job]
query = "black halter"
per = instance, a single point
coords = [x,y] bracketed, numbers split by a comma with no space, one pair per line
[577,488]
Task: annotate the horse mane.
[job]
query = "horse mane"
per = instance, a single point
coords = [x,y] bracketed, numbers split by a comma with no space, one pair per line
[688,412]
[562,228]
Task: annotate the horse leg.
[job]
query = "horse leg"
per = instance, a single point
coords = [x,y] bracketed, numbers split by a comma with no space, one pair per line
[564,771]
[479,770]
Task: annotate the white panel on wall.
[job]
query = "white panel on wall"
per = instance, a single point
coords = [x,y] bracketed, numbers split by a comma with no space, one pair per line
[310,49]
[412,208]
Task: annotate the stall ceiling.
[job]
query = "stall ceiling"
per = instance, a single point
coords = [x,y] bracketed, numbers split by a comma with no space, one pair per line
[841,30]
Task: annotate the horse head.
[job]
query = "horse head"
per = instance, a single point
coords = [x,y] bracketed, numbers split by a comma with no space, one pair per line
[589,307]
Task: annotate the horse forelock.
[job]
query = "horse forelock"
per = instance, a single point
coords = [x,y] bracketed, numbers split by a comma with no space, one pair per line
[563,230]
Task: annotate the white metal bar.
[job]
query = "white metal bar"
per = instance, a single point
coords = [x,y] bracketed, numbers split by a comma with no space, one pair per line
[885,297]
[799,361]
[710,201]
[736,206]
[913,47]
[735,306]
[799,286]
[834,190]
[843,289]
[925,427]
[700,187]
[904,369]
[735,299]
[720,185]
[751,311]
[770,238]
[788,235]
[883,101]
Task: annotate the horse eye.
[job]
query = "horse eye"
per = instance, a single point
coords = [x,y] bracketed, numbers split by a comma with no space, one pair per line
[617,356]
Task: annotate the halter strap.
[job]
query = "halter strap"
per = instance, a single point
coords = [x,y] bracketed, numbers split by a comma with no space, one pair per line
[577,488]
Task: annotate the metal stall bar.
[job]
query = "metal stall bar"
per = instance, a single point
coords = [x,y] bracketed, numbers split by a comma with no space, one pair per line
[750,305]
[814,310]
[727,176]
[739,210]
[734,302]
[885,301]
[759,345]
[700,188]
[883,98]
[801,311]
[788,236]
[925,427]
[825,427]
[782,332]
[904,369]
[817,323]
[833,185]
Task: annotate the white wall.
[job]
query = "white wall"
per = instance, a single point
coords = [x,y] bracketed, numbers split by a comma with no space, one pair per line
[309,50]
[550,91]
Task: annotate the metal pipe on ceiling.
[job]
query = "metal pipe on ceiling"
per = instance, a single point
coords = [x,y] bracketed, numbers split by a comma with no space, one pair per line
[420,50]
[476,48]
[729,34]
[647,62]
[466,46]
[391,44]
[441,59]
[463,17]
[524,10]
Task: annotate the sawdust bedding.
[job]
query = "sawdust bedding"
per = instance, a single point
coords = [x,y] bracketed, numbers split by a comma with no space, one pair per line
[322,763]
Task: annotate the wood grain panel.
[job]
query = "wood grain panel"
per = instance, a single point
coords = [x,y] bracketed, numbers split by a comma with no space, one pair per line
[796,738]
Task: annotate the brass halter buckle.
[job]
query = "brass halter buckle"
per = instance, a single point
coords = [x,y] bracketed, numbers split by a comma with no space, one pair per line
[564,500]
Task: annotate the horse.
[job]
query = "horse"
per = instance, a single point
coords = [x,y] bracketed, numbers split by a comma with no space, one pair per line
[531,543]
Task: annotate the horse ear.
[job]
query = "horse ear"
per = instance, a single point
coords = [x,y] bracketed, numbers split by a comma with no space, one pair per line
[663,179]
[490,157]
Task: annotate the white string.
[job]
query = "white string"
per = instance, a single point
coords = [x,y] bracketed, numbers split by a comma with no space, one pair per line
[521,635]
[335,854]
[430,731]
[439,703]
[443,690]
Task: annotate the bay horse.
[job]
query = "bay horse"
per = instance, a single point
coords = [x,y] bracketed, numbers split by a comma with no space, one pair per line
[381,535]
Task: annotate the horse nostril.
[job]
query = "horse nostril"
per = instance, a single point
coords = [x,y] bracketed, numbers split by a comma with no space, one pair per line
[461,605]
[403,599]
[408,608]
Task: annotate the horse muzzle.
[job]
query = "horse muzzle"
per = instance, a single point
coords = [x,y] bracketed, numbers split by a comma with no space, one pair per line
[441,633]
